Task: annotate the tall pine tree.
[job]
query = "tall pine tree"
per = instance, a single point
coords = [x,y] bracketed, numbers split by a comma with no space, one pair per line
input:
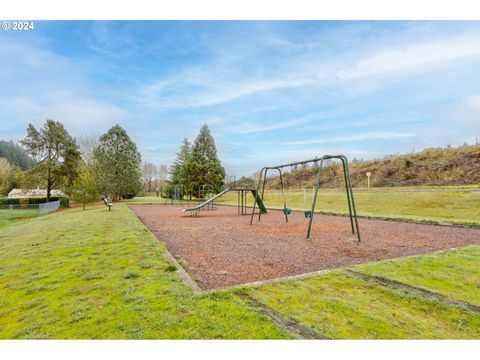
[56,153]
[202,166]
[177,169]
[117,164]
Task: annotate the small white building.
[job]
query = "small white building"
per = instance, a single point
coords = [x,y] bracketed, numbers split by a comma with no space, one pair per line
[26,193]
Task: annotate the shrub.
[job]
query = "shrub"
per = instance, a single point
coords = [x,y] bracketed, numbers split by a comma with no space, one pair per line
[8,201]
[64,201]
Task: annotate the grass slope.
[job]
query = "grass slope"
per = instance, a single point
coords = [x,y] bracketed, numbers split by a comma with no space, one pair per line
[431,167]
[99,274]
[449,206]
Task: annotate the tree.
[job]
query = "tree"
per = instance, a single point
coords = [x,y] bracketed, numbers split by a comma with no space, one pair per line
[177,168]
[84,189]
[86,145]
[11,177]
[149,172]
[117,164]
[5,169]
[202,166]
[162,176]
[15,155]
[56,153]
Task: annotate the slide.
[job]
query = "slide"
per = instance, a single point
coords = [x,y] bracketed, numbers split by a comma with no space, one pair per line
[259,201]
[198,207]
[256,196]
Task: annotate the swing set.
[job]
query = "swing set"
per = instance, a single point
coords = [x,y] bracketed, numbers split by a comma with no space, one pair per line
[309,212]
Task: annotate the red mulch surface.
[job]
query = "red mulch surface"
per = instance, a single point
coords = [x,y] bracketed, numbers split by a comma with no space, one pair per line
[221,248]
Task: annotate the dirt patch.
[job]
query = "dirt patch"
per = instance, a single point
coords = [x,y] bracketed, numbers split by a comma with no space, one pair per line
[220,248]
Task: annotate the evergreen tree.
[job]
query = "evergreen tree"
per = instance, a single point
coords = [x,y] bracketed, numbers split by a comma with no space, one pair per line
[202,166]
[56,153]
[117,164]
[84,189]
[177,168]
[16,155]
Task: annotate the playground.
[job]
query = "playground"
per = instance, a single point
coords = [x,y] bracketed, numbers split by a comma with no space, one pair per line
[221,249]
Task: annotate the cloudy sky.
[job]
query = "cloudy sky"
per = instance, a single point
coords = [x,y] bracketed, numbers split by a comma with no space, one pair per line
[271,92]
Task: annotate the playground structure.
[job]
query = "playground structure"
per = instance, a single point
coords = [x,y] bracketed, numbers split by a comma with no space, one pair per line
[241,202]
[309,213]
[206,192]
[176,195]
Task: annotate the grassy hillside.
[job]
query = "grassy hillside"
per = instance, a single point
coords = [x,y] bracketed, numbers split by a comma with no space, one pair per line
[433,167]
[446,206]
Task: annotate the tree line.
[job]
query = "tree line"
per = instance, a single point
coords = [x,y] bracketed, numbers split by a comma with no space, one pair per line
[107,165]
[110,164]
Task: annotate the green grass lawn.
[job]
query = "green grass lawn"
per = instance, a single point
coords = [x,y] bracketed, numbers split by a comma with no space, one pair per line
[99,274]
[454,273]
[340,306]
[451,206]
[7,214]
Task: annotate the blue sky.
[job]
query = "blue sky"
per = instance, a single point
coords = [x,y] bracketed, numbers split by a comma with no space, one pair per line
[271,92]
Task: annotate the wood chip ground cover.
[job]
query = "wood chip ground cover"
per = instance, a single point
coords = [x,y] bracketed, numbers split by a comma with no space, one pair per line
[219,248]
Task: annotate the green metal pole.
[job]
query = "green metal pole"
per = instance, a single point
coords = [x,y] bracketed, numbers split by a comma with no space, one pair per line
[314,201]
[283,195]
[353,200]
[347,190]
[263,192]
[258,194]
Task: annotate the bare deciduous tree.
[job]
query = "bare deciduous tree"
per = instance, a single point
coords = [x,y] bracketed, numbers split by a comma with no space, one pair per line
[149,172]
[86,145]
[162,176]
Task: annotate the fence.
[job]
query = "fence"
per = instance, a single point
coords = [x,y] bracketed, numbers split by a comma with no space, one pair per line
[48,207]
[27,210]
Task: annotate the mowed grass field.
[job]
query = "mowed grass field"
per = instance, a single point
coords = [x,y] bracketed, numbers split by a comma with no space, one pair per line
[447,205]
[96,274]
[6,214]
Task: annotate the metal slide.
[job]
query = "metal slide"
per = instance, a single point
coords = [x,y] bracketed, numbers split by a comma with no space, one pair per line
[195,209]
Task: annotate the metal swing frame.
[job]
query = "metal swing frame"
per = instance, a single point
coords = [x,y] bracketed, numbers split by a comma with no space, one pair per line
[319,167]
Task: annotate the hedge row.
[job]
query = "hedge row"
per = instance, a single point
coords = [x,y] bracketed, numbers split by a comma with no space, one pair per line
[64,201]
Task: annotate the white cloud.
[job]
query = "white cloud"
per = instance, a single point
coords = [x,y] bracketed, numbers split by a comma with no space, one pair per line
[257,127]
[402,58]
[473,102]
[360,137]
[39,84]
[186,93]
[79,115]
[207,86]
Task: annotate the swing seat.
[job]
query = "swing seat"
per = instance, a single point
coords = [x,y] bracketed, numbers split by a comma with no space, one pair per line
[308,214]
[287,211]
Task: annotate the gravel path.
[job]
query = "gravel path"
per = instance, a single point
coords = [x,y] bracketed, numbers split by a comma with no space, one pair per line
[220,248]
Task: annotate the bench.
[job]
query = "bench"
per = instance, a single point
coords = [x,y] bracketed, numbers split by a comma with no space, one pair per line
[107,203]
